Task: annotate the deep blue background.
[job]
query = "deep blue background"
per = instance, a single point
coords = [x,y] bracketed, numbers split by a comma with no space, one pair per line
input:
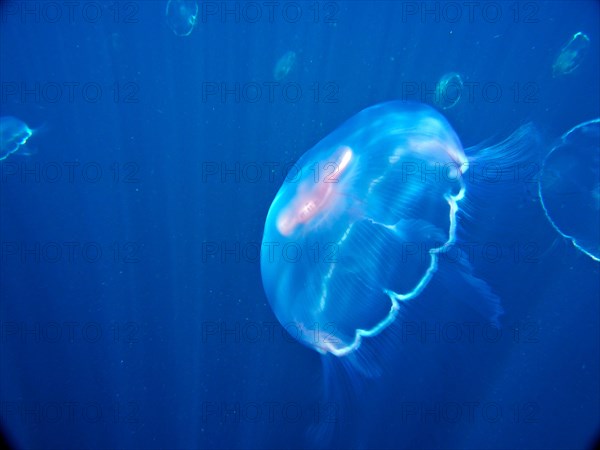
[155,374]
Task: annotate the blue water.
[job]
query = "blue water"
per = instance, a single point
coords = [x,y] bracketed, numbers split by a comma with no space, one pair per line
[132,308]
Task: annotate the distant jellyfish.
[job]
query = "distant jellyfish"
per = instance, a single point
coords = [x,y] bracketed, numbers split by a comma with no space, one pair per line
[182,16]
[569,187]
[284,65]
[448,90]
[571,55]
[116,41]
[14,134]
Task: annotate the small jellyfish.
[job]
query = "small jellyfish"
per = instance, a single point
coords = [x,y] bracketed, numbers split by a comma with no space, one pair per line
[569,187]
[14,134]
[284,65]
[359,230]
[182,16]
[571,55]
[448,90]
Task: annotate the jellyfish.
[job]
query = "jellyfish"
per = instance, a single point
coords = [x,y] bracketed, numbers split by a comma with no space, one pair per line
[571,55]
[569,187]
[14,134]
[182,16]
[357,233]
[448,90]
[284,65]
